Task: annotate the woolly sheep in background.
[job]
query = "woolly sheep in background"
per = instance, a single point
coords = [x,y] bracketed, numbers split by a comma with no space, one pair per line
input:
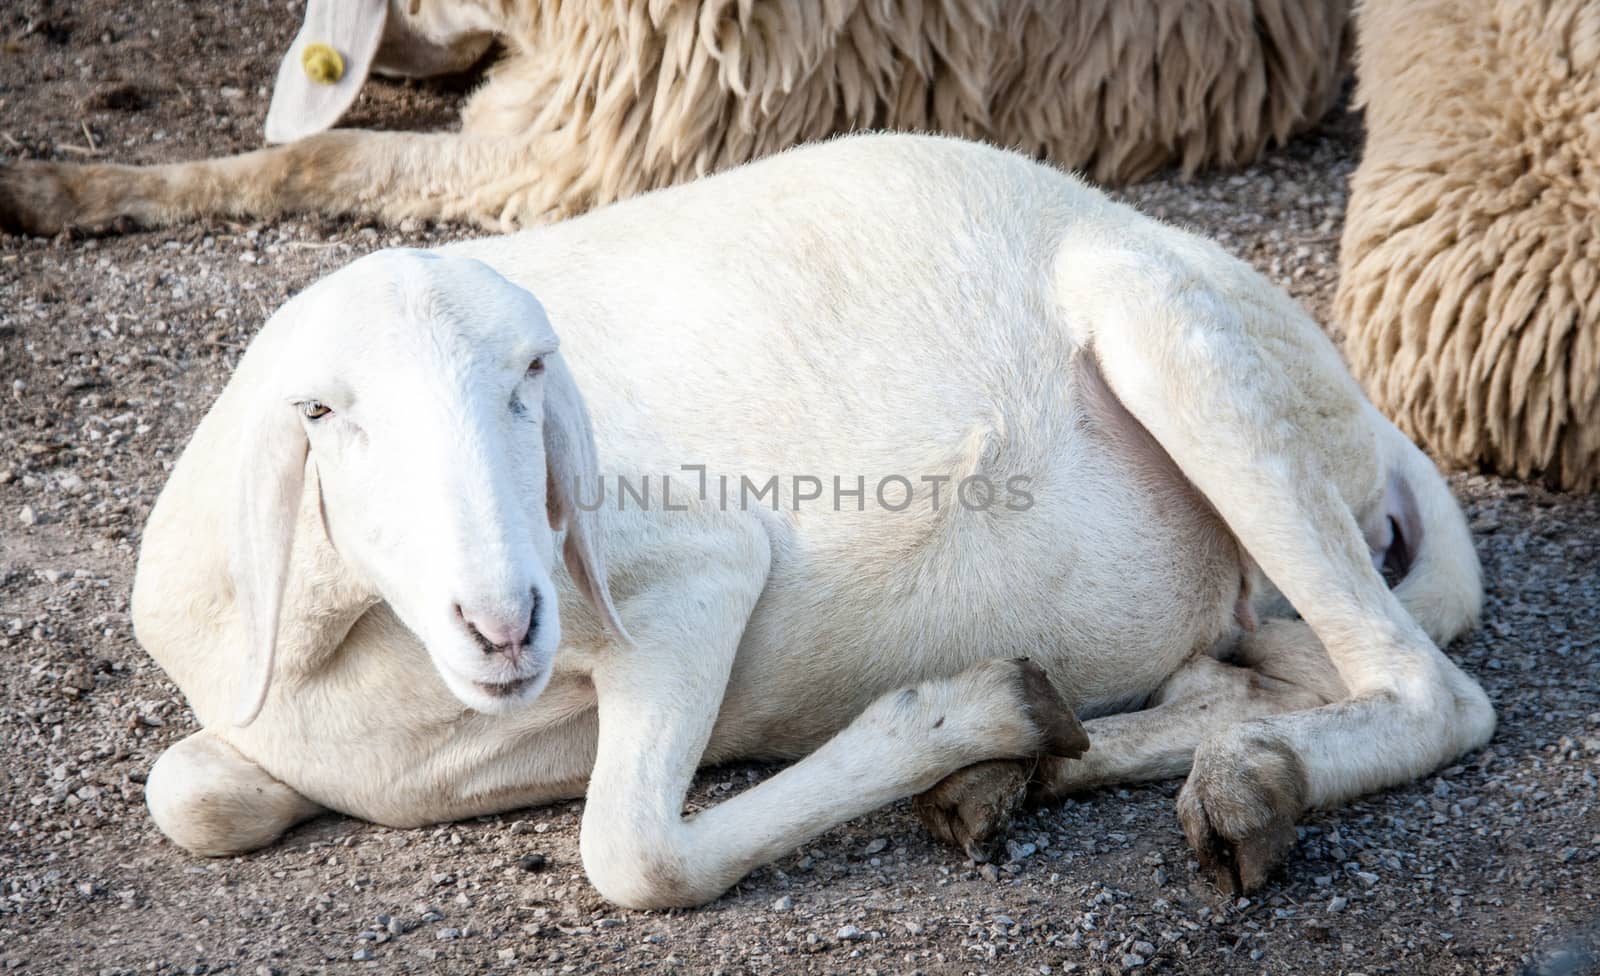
[1471,250]
[596,101]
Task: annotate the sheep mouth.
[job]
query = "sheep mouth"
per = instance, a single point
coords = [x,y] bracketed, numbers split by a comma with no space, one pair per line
[503,689]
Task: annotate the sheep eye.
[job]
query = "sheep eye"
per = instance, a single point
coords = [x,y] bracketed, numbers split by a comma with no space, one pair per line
[536,367]
[314,410]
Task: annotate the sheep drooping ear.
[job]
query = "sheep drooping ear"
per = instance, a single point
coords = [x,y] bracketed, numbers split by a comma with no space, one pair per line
[324,69]
[570,462]
[272,473]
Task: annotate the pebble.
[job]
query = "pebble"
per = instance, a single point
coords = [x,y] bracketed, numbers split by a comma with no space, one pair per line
[1132,961]
[850,933]
[875,845]
[361,955]
[27,516]
[532,862]
[447,933]
[1338,903]
[784,904]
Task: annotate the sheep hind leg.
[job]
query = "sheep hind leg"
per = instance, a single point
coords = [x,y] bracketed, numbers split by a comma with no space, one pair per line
[212,801]
[1254,405]
[390,175]
[1280,668]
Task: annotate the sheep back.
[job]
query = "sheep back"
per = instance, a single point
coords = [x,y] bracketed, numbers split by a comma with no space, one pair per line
[631,96]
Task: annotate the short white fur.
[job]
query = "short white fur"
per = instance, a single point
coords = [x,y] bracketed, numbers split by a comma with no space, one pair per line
[878,305]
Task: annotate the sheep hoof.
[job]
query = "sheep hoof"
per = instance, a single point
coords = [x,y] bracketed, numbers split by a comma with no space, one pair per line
[34,199]
[971,808]
[1238,810]
[1061,734]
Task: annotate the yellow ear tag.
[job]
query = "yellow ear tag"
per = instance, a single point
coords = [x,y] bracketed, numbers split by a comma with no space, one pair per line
[322,63]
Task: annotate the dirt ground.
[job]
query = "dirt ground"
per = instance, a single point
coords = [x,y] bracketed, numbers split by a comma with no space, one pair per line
[112,348]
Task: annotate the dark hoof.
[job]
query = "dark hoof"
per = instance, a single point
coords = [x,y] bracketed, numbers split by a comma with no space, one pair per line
[972,808]
[1238,810]
[33,199]
[1061,734]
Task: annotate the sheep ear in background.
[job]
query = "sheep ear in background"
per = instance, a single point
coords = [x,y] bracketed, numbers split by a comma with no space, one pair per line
[570,462]
[312,93]
[273,468]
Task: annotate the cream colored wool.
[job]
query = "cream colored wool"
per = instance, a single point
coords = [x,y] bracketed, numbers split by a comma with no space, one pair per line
[596,101]
[634,96]
[1471,251]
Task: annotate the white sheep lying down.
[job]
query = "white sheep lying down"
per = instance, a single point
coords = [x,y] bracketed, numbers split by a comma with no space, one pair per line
[352,573]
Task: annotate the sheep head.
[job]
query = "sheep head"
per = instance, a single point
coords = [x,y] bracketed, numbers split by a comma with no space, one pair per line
[448,440]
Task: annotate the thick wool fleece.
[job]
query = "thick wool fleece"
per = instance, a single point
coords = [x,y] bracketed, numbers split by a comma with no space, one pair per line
[637,95]
[1471,251]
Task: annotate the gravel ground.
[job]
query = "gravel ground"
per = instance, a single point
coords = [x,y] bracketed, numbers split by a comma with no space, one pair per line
[112,348]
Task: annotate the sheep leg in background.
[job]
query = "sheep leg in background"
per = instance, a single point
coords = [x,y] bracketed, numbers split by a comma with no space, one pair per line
[1283,468]
[212,801]
[659,700]
[1280,668]
[392,175]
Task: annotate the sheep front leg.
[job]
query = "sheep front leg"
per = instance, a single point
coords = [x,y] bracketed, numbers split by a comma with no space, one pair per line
[655,717]
[391,175]
[212,801]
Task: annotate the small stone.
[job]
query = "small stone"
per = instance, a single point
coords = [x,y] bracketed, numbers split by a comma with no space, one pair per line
[989,872]
[875,845]
[1132,961]
[1338,904]
[784,904]
[27,516]
[533,862]
[1145,949]
[851,933]
[447,933]
[396,926]
[361,955]
[507,955]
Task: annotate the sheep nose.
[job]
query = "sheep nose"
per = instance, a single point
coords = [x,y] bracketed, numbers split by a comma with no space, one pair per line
[500,632]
